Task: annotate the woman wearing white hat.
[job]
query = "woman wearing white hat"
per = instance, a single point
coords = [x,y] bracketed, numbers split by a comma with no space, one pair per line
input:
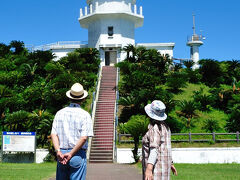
[156,148]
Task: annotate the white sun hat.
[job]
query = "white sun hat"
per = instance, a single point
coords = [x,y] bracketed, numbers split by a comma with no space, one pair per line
[156,110]
[77,92]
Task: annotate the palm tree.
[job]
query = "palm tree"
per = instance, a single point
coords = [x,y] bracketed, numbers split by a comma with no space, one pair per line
[18,46]
[188,110]
[4,50]
[31,69]
[211,125]
[137,126]
[188,64]
[17,121]
[41,122]
[141,53]
[128,101]
[131,52]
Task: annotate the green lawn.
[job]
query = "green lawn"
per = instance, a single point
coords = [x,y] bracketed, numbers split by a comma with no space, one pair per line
[43,171]
[206,171]
[187,92]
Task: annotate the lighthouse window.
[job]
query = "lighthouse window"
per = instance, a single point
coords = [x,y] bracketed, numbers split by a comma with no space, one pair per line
[110,30]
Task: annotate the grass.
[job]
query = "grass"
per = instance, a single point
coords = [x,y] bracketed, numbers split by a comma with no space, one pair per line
[187,92]
[206,145]
[205,171]
[17,171]
[189,145]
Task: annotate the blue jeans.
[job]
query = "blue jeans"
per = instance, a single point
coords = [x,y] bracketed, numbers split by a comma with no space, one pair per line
[75,169]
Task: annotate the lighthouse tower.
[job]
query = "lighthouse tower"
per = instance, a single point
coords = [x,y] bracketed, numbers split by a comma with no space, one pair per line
[194,42]
[111,26]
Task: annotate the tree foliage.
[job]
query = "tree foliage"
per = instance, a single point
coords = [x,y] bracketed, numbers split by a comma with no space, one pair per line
[142,73]
[137,126]
[33,86]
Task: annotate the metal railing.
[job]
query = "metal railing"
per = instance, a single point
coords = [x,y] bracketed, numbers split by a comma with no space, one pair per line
[63,44]
[195,37]
[93,105]
[89,10]
[116,116]
[191,137]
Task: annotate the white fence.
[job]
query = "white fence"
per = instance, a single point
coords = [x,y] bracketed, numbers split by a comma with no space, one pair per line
[190,155]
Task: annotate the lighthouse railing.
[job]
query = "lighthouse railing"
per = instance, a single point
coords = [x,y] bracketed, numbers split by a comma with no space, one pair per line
[195,37]
[92,9]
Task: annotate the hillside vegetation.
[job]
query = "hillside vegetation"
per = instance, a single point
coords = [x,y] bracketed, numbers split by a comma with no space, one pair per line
[33,86]
[202,100]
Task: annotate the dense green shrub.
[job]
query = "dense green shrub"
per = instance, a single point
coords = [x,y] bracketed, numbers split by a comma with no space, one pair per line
[234,119]
[176,80]
[211,72]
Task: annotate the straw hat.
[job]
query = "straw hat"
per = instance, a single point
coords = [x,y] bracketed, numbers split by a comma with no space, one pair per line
[77,92]
[156,110]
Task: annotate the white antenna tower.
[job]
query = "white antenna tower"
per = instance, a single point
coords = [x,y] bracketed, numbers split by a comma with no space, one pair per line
[195,41]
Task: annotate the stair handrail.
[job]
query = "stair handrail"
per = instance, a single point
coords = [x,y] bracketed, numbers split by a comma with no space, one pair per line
[94,104]
[116,117]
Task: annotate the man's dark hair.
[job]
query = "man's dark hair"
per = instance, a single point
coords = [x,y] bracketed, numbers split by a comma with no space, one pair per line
[78,101]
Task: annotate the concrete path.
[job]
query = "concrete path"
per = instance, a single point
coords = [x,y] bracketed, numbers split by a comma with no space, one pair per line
[109,171]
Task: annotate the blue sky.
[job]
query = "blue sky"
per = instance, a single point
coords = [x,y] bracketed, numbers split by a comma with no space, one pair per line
[48,21]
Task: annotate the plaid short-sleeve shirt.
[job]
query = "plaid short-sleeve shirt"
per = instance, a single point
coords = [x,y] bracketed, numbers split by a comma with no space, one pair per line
[70,124]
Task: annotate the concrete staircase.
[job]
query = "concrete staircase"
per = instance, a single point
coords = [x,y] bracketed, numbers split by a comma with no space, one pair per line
[102,142]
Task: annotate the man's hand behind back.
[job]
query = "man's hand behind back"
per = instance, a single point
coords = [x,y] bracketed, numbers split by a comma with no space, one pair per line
[66,158]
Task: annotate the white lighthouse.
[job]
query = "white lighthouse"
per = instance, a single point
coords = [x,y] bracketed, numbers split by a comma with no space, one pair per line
[195,41]
[111,26]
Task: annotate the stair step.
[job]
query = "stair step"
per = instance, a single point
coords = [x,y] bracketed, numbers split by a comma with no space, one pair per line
[102,109]
[101,158]
[103,130]
[104,113]
[103,121]
[105,103]
[101,144]
[99,154]
[107,109]
[102,151]
[103,135]
[102,147]
[100,161]
[104,117]
[101,116]
[106,130]
[103,138]
[104,125]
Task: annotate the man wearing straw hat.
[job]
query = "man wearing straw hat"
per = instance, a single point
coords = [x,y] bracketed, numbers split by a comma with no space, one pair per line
[70,130]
